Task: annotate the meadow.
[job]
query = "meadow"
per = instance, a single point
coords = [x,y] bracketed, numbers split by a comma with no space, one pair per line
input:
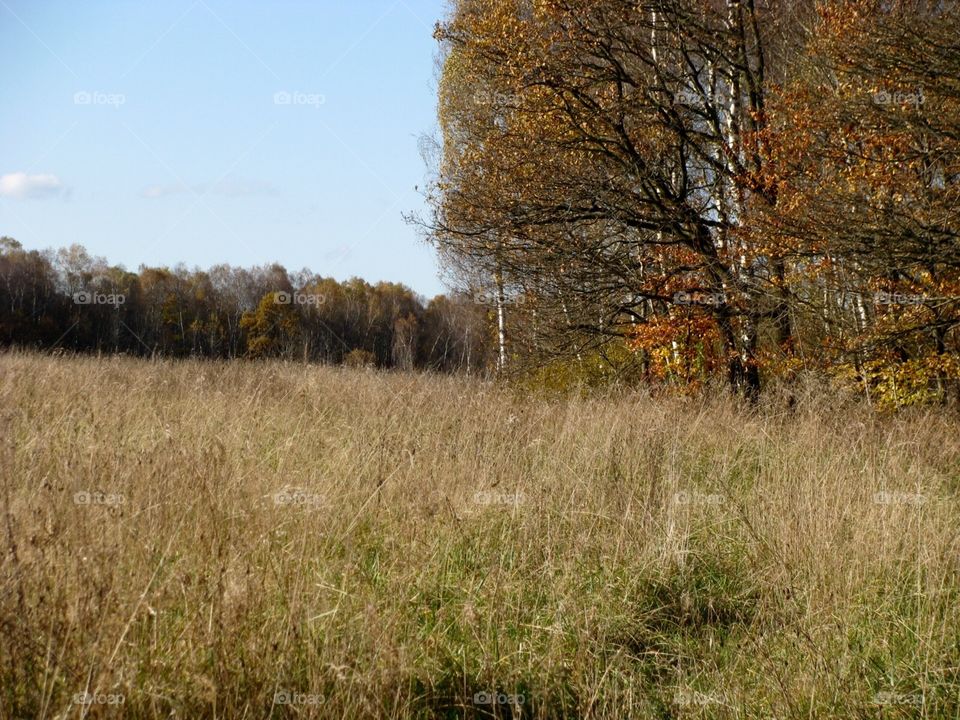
[205,539]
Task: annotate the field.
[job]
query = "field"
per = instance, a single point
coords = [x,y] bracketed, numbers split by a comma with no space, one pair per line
[245,540]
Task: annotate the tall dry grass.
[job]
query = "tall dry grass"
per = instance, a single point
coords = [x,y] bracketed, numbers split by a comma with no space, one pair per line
[198,539]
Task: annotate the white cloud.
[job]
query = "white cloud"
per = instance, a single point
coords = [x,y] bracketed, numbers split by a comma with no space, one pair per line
[20,185]
[235,187]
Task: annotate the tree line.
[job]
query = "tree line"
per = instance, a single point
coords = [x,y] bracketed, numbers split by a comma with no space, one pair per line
[736,189]
[69,300]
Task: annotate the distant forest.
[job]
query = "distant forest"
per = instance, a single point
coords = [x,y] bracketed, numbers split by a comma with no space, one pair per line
[72,301]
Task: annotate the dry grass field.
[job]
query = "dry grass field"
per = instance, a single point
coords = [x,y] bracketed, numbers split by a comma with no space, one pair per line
[201,539]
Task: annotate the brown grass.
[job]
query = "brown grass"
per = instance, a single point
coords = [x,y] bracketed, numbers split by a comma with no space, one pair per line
[274,540]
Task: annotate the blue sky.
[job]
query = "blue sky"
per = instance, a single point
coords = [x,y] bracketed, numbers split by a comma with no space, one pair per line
[210,131]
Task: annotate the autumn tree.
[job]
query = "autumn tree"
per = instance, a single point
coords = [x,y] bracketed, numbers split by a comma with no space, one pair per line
[603,155]
[273,328]
[865,146]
